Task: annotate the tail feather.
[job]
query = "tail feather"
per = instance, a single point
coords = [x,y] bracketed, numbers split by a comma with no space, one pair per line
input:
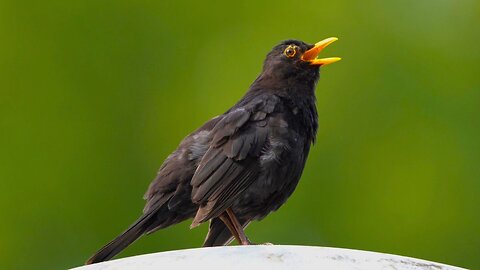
[122,241]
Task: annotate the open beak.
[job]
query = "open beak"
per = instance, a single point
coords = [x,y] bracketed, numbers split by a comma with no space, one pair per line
[311,55]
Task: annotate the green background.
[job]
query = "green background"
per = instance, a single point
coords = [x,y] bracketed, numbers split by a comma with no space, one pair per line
[95,94]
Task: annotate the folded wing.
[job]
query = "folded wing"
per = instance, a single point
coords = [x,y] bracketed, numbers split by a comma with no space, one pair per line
[231,164]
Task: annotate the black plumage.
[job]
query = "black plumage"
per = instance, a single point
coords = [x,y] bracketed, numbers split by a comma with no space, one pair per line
[243,164]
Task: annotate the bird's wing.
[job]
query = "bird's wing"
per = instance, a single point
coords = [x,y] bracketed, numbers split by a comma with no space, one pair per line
[231,163]
[172,184]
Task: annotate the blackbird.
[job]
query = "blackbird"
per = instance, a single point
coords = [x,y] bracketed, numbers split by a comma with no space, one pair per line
[243,164]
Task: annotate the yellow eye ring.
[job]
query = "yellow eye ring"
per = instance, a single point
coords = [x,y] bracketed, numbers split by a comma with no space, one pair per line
[290,51]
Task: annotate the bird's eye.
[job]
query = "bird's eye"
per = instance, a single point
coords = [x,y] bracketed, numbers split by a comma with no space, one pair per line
[290,51]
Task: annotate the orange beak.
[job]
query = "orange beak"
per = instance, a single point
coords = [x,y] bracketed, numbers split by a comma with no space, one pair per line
[311,55]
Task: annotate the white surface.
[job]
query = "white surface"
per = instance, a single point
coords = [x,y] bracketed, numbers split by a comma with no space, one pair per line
[268,257]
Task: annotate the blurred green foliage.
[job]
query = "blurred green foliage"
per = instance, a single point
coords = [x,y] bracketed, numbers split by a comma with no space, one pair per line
[95,94]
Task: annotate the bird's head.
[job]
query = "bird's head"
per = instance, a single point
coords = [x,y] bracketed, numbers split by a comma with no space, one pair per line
[294,59]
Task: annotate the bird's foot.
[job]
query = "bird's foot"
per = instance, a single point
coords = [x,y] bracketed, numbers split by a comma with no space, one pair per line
[247,242]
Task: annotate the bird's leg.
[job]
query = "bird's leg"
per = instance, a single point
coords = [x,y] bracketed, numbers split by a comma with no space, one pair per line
[243,240]
[226,220]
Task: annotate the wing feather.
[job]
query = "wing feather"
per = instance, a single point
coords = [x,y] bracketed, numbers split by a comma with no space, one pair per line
[232,163]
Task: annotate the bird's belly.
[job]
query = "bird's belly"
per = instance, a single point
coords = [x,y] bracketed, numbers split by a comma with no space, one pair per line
[276,182]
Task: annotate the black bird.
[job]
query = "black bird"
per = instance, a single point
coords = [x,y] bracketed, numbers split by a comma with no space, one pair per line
[243,164]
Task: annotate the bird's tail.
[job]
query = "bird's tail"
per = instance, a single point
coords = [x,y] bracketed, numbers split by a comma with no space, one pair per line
[118,244]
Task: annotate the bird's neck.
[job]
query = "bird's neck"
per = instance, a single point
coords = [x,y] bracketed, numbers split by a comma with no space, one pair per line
[299,87]
[298,96]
